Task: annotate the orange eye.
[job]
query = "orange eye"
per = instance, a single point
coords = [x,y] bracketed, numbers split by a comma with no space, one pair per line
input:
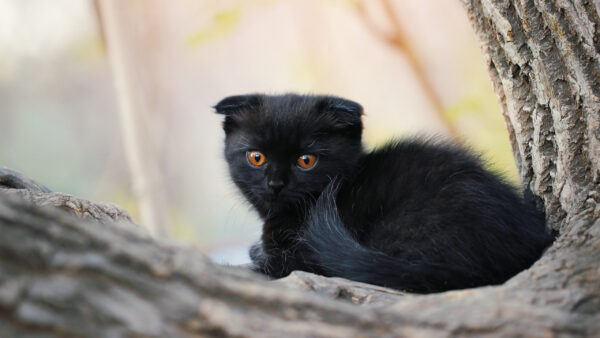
[307,161]
[256,158]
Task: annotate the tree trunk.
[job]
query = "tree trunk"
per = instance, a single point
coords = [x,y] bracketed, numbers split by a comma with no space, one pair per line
[543,59]
[64,275]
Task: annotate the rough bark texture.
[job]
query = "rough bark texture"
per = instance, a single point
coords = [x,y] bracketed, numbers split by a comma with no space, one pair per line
[543,59]
[15,184]
[64,275]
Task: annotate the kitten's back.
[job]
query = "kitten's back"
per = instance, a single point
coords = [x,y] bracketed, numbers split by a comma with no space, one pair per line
[434,201]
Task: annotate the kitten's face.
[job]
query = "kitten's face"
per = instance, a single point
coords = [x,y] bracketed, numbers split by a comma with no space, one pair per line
[283,150]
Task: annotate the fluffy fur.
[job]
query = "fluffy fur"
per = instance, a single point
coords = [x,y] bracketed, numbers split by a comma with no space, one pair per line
[413,215]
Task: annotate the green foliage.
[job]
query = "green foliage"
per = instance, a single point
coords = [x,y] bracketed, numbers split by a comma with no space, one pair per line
[88,49]
[223,23]
[182,226]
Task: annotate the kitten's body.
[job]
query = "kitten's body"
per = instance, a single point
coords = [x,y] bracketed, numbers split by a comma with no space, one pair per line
[413,215]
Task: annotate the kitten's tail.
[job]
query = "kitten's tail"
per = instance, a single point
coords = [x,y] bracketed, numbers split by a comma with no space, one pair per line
[337,253]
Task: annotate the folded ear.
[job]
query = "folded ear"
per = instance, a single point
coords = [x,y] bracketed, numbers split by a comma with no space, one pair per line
[234,104]
[233,107]
[343,113]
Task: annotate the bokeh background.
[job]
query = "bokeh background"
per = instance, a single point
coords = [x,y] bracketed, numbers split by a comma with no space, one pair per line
[96,94]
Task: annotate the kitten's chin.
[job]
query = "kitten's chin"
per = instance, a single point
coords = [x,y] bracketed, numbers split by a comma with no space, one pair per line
[273,204]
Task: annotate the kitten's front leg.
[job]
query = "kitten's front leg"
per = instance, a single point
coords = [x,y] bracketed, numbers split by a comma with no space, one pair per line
[276,262]
[261,262]
[257,256]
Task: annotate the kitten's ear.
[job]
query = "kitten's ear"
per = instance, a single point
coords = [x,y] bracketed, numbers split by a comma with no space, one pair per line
[232,105]
[344,113]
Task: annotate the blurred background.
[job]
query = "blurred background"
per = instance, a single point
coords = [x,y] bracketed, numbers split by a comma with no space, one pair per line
[111,100]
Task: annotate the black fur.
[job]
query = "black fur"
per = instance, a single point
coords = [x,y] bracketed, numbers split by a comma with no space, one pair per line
[413,215]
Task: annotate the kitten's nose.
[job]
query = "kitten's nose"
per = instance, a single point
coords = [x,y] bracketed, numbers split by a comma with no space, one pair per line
[275,185]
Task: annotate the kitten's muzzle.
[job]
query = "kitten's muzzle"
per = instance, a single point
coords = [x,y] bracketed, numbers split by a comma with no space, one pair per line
[275,186]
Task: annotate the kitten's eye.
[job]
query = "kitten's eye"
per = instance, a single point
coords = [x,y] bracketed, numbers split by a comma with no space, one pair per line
[256,158]
[307,161]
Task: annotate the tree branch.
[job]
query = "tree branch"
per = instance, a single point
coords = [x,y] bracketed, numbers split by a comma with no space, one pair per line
[396,38]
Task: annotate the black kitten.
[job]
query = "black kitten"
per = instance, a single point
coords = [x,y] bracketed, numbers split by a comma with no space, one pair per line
[412,215]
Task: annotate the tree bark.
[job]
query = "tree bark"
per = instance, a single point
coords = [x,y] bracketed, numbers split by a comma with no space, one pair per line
[543,60]
[61,274]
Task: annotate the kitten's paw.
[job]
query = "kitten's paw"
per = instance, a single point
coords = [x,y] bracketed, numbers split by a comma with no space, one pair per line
[256,251]
[258,258]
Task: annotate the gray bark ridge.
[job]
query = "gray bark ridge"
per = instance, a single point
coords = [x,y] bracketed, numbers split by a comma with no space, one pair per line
[10,179]
[61,274]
